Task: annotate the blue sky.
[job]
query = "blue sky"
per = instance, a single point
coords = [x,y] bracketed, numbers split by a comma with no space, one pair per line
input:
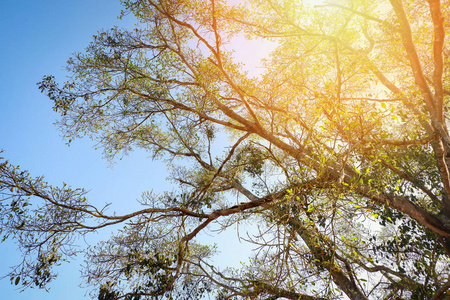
[36,39]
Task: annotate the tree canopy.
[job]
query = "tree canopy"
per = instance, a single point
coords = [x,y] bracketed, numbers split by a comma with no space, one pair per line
[336,153]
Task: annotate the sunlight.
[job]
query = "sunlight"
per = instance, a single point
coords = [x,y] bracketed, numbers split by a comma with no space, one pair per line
[252,52]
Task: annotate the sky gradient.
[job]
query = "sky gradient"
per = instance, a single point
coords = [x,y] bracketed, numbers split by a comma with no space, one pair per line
[36,39]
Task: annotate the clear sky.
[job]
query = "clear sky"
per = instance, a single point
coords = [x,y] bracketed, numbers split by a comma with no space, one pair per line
[36,39]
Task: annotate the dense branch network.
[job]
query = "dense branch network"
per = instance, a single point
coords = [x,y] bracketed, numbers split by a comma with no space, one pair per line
[343,132]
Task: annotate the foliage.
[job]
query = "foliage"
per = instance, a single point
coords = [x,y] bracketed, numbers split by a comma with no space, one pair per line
[338,152]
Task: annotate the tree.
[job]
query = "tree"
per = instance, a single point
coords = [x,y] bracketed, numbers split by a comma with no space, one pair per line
[337,152]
